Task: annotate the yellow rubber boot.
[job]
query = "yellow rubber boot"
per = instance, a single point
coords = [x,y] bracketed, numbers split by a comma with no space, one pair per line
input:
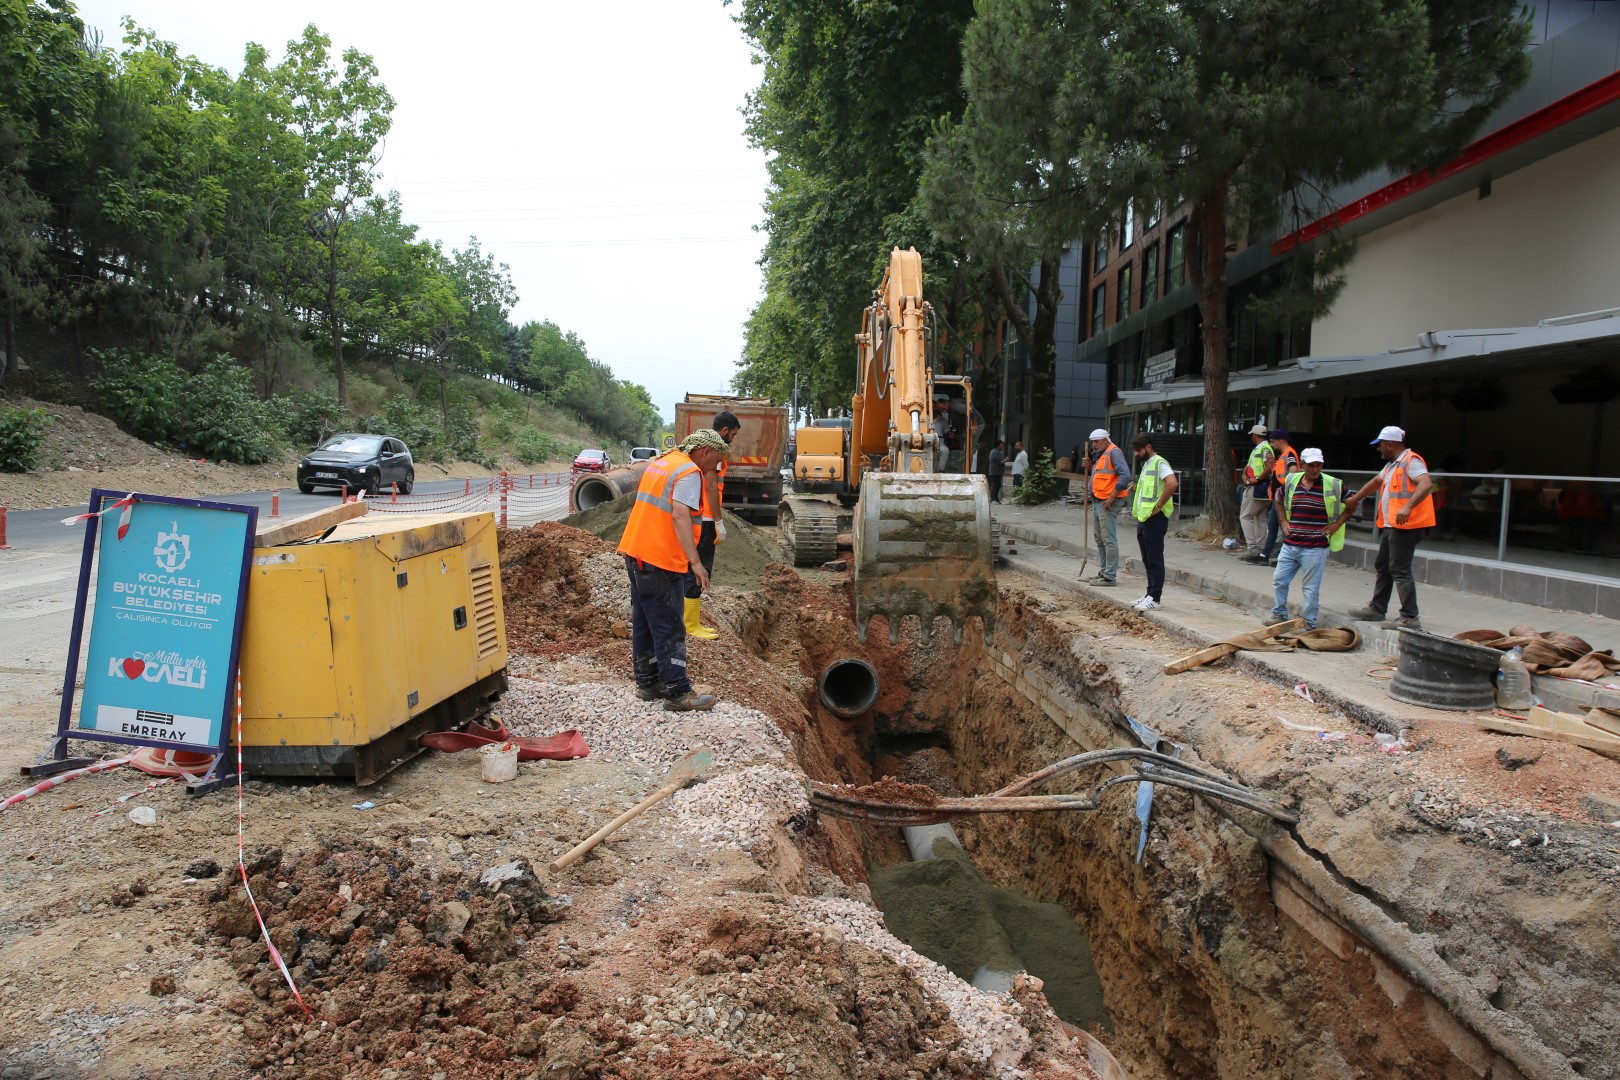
[695,628]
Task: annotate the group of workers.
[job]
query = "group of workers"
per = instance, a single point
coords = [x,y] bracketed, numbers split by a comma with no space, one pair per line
[668,548]
[1286,495]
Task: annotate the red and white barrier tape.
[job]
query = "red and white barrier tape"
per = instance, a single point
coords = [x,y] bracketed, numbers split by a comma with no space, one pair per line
[126,504]
[241,864]
[61,778]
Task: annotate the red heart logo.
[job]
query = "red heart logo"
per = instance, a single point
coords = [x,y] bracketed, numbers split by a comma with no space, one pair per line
[133,668]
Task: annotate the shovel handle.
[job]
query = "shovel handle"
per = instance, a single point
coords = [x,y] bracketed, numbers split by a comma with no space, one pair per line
[579,851]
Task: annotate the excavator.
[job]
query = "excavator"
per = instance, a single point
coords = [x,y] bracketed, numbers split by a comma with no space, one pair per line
[922,534]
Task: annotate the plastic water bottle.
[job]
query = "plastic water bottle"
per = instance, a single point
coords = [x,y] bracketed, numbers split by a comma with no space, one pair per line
[1513,682]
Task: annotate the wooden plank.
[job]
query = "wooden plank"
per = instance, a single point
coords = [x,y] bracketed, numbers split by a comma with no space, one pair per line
[1575,725]
[1226,648]
[304,526]
[1604,720]
[1602,744]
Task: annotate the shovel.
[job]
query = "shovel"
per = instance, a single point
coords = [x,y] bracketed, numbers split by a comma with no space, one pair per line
[683,772]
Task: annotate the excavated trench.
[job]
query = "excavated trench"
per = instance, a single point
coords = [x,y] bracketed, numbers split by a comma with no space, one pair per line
[1363,942]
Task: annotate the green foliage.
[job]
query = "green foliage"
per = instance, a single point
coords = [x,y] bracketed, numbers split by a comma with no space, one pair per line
[1041,481]
[224,419]
[532,447]
[308,416]
[141,393]
[21,433]
[405,419]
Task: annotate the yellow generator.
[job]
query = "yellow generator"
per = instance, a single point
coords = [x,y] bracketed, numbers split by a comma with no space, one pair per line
[364,637]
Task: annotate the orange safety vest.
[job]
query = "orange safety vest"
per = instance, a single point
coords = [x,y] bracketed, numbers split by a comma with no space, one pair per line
[1397,492]
[1284,459]
[649,535]
[705,511]
[1104,477]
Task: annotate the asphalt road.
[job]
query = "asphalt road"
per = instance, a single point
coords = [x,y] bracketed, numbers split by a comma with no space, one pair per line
[34,530]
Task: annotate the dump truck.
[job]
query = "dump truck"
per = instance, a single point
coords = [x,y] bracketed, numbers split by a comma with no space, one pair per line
[754,469]
[897,474]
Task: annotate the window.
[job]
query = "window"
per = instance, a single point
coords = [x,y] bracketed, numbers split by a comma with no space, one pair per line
[1151,218]
[1099,258]
[1125,295]
[1150,274]
[1175,262]
[1099,308]
[1126,235]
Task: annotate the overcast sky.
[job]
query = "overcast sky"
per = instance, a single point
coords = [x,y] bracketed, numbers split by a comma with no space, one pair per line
[595,148]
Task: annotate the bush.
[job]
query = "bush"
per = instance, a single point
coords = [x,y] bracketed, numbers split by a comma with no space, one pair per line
[533,447]
[141,393]
[308,416]
[226,420]
[405,419]
[21,433]
[1041,481]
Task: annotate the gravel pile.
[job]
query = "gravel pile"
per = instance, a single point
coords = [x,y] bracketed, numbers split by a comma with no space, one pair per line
[609,584]
[621,728]
[741,807]
[991,1025]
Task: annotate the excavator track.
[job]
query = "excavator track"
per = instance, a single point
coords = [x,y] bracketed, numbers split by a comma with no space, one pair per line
[811,529]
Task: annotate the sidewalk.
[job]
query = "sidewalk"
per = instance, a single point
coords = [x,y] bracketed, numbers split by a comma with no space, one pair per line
[1210,595]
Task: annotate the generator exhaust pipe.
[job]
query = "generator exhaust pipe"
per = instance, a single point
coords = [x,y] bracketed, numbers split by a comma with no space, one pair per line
[848,687]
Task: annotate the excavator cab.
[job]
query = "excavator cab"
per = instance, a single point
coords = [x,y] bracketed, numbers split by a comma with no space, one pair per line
[921,521]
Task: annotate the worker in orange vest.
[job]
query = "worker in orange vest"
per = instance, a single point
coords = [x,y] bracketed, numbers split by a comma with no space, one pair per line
[1110,479]
[711,528]
[1405,516]
[659,547]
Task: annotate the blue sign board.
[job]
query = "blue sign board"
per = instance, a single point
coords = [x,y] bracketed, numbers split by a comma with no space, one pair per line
[170,592]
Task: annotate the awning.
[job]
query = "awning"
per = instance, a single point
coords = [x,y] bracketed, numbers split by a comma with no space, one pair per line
[1565,343]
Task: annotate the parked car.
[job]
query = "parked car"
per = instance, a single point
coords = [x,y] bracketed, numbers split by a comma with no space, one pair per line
[643,453]
[362,462]
[592,461]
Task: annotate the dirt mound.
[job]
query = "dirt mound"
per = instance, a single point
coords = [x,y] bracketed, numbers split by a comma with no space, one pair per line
[738,561]
[390,959]
[546,589]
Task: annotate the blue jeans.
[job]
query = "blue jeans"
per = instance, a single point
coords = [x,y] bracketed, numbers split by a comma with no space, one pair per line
[1105,521]
[707,534]
[1290,561]
[1150,542]
[658,628]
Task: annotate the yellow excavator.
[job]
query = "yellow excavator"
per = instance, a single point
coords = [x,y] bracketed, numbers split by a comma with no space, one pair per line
[897,471]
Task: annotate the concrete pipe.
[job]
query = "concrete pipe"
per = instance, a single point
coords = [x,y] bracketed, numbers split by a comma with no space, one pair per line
[591,490]
[849,687]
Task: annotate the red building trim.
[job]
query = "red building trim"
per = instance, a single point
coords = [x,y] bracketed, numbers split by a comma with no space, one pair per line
[1588,99]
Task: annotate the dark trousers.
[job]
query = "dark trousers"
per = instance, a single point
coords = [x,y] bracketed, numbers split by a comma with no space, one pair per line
[705,548]
[995,487]
[1393,570]
[1273,527]
[657,628]
[1150,541]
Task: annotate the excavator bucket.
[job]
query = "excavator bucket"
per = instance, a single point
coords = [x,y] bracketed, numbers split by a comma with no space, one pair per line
[922,547]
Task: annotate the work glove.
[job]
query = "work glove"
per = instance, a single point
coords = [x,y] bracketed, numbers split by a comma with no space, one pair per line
[719,532]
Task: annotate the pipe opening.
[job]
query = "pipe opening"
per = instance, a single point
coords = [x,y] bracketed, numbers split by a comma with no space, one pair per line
[849,687]
[591,493]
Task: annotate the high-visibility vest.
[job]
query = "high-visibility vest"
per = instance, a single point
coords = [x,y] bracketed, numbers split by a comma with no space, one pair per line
[1397,491]
[1332,499]
[1287,461]
[1104,477]
[1147,492]
[649,535]
[1257,469]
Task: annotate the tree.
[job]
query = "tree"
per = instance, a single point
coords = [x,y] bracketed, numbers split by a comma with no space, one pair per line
[48,82]
[844,108]
[1228,108]
[342,118]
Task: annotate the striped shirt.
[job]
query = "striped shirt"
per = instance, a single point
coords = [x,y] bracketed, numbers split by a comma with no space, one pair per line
[1307,518]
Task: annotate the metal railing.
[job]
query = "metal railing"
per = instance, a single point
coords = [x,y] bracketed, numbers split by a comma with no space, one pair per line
[1557,521]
